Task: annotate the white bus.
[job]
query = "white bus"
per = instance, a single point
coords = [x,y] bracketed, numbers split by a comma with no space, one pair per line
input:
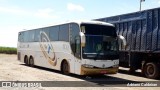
[83,48]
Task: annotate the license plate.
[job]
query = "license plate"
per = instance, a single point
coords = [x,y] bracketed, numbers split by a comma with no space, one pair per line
[103,72]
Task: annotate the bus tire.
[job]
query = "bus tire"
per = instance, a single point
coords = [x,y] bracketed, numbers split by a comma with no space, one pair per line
[151,70]
[26,60]
[65,67]
[31,61]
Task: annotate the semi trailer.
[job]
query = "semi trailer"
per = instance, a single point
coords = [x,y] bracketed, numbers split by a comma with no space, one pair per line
[142,32]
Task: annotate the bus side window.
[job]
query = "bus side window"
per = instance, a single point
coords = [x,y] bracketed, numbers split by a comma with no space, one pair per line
[31,35]
[64,33]
[20,37]
[77,48]
[26,36]
[74,33]
[37,35]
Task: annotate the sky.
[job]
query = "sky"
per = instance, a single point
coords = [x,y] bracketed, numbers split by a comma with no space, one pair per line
[18,15]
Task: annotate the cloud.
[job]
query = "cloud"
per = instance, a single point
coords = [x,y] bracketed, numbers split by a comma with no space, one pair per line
[74,7]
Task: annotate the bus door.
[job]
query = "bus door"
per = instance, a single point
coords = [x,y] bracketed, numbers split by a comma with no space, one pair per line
[77,55]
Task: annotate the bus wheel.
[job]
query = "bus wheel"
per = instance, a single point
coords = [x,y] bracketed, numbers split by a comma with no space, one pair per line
[65,67]
[26,60]
[151,70]
[31,62]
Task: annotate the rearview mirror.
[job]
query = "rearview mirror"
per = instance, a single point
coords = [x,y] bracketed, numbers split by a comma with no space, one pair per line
[83,39]
[122,41]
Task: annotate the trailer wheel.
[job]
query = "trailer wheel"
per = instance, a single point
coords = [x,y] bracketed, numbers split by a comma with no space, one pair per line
[65,67]
[151,70]
[26,60]
[31,61]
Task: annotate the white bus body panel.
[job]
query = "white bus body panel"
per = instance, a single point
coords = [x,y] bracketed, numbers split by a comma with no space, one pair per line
[62,51]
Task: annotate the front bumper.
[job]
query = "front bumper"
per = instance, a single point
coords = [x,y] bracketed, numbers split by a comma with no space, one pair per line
[98,71]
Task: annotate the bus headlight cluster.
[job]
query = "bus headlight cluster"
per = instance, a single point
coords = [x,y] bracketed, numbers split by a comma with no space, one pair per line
[88,66]
[116,64]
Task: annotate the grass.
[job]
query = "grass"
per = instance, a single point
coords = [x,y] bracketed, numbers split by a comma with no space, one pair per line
[8,50]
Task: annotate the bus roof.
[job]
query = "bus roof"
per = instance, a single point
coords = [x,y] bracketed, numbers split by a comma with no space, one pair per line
[94,22]
[78,22]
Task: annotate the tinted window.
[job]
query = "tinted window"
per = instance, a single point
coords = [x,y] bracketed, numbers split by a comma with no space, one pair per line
[74,34]
[31,35]
[20,37]
[45,35]
[46,31]
[64,33]
[37,35]
[74,31]
[53,33]
[91,29]
[77,47]
[26,36]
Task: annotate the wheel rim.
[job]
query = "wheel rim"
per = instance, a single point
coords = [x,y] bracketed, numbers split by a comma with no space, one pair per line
[150,70]
[31,62]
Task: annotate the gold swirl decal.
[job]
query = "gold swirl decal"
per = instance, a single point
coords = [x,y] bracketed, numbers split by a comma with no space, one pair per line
[47,48]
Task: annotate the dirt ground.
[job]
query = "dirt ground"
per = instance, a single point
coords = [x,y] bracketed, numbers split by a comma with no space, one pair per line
[13,70]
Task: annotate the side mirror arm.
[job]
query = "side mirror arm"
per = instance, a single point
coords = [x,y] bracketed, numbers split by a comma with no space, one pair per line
[123,40]
[83,39]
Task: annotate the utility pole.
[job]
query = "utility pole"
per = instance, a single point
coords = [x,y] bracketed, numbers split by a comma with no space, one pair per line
[141,4]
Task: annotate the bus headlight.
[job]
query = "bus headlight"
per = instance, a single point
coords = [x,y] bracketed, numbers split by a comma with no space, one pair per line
[88,66]
[116,64]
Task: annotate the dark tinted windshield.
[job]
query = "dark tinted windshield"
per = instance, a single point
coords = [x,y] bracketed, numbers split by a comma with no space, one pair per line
[101,42]
[91,29]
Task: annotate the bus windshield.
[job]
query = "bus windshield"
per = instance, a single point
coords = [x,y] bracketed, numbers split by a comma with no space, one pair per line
[101,42]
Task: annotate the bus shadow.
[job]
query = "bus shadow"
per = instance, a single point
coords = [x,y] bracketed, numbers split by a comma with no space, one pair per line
[104,80]
[43,68]
[138,74]
[129,73]
[93,81]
